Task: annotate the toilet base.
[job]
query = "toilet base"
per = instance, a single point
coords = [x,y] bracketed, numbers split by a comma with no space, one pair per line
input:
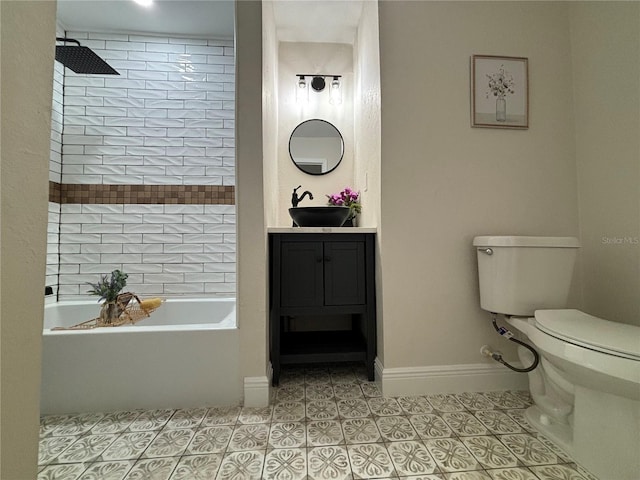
[559,433]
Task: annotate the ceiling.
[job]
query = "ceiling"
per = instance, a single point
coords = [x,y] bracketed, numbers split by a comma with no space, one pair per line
[192,18]
[328,21]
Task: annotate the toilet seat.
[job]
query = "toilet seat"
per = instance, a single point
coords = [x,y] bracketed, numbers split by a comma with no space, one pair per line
[579,328]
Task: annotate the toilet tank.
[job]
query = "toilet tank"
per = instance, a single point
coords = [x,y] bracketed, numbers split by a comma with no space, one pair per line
[519,275]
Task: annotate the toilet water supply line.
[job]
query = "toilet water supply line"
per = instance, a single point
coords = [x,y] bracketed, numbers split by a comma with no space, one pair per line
[497,356]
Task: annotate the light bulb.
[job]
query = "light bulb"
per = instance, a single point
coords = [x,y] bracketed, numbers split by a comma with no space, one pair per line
[144,3]
[335,94]
[302,93]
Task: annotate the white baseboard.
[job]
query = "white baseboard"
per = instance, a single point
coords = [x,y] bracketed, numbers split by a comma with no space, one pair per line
[257,390]
[476,377]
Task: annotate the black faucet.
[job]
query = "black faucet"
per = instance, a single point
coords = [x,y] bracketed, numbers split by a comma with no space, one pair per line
[295,200]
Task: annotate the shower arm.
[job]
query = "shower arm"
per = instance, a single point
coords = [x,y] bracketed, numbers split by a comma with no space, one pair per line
[65,40]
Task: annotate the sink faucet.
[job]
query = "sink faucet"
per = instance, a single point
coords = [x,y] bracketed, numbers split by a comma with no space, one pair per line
[295,200]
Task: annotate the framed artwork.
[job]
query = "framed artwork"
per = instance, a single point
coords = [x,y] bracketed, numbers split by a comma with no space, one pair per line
[499,92]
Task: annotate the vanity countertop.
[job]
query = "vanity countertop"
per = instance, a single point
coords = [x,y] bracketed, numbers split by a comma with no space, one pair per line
[322,230]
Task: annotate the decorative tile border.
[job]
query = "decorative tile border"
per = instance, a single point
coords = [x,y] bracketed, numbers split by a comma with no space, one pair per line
[142,194]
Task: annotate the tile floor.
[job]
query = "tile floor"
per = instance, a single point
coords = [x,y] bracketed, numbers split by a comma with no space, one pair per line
[326,422]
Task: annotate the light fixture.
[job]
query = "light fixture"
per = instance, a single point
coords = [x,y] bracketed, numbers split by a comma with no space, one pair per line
[144,3]
[335,93]
[302,92]
[318,84]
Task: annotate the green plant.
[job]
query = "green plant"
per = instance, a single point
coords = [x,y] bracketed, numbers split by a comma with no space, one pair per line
[109,288]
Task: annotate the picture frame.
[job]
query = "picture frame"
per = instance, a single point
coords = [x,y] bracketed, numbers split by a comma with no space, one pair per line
[499,92]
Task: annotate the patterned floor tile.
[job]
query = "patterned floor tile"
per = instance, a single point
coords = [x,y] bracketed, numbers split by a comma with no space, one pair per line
[287,435]
[169,443]
[490,452]
[86,449]
[107,470]
[360,430]
[288,412]
[433,476]
[208,440]
[370,390]
[343,377]
[321,410]
[319,392]
[77,424]
[251,415]
[370,460]
[346,391]
[474,401]
[529,449]
[249,437]
[51,447]
[187,418]
[384,406]
[518,416]
[430,425]
[353,408]
[152,469]
[497,421]
[285,464]
[197,467]
[221,416]
[115,422]
[151,420]
[49,423]
[328,463]
[241,466]
[557,472]
[414,405]
[505,400]
[473,475]
[396,429]
[464,424]
[516,473]
[70,471]
[411,458]
[324,432]
[290,393]
[128,446]
[451,455]
[445,403]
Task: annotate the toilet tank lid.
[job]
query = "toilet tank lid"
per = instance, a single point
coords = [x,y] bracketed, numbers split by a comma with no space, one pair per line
[518,241]
[592,332]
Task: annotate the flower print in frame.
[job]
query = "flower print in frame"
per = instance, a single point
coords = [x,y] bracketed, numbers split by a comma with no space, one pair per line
[499,92]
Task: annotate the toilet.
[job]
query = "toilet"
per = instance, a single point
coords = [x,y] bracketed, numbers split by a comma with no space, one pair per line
[586,388]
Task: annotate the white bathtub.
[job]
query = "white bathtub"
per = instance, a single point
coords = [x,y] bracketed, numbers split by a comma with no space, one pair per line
[185,355]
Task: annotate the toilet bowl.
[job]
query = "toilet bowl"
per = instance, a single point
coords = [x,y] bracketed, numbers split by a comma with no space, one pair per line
[586,389]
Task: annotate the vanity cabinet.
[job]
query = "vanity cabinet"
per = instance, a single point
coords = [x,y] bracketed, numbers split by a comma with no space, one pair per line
[322,274]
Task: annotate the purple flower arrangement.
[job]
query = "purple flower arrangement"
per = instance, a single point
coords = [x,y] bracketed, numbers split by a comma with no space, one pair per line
[347,198]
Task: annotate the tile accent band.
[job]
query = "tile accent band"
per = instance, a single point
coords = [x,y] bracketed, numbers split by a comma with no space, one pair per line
[142,194]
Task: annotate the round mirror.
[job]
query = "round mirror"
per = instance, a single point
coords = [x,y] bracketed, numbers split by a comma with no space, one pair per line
[316,147]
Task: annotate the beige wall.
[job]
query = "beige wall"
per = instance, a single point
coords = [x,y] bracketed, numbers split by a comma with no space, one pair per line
[444,182]
[27,39]
[605,42]
[252,242]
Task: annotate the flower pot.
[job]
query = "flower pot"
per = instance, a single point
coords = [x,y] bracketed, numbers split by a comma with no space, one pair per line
[109,313]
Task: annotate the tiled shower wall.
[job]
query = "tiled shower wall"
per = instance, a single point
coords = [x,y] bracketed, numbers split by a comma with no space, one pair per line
[147,181]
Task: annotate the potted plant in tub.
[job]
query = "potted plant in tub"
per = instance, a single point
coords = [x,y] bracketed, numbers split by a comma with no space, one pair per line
[109,288]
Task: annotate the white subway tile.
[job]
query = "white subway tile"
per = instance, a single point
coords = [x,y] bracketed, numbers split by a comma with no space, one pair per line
[103,170]
[100,228]
[204,50]
[203,142]
[204,123]
[146,150]
[162,180]
[80,120]
[162,258]
[179,288]
[220,152]
[187,58]
[163,122]
[129,141]
[70,208]
[188,41]
[102,130]
[104,150]
[122,179]
[123,160]
[105,92]
[148,38]
[180,113]
[69,269]
[186,132]
[229,180]
[220,267]
[123,238]
[185,171]
[202,238]
[163,219]
[220,114]
[163,278]
[201,160]
[183,268]
[220,228]
[121,258]
[203,277]
[182,248]
[219,287]
[123,102]
[221,132]
[143,228]
[125,45]
[145,75]
[82,179]
[189,76]
[146,132]
[143,268]
[163,142]
[161,238]
[121,218]
[191,218]
[124,121]
[181,209]
[185,151]
[99,268]
[101,208]
[168,48]
[79,258]
[228,257]
[162,161]
[72,169]
[153,103]
[74,110]
[123,83]
[70,248]
[149,56]
[106,111]
[162,85]
[187,95]
[145,170]
[109,36]
[143,208]
[229,238]
[113,55]
[148,112]
[220,60]
[202,180]
[230,278]
[184,228]
[75,81]
[229,219]
[221,42]
[67,228]
[82,140]
[204,86]
[148,93]
[102,248]
[146,248]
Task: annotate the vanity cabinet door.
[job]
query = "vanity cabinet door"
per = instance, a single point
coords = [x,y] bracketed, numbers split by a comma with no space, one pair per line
[301,283]
[344,273]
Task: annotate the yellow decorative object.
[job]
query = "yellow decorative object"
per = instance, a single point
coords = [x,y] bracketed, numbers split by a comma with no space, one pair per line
[131,309]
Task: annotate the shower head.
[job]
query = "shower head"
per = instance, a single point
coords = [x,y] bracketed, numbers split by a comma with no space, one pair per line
[81,59]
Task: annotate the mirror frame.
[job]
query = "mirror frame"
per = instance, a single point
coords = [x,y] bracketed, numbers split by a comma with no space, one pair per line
[338,162]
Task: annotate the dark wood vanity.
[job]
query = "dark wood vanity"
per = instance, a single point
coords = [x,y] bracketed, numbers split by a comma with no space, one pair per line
[322,274]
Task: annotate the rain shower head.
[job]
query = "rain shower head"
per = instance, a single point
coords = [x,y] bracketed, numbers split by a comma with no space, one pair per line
[81,59]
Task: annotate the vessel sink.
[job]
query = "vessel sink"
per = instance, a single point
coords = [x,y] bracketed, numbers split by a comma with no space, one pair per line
[326,216]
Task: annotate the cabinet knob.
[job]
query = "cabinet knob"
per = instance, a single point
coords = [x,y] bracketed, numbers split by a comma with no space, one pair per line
[318,259]
[327,258]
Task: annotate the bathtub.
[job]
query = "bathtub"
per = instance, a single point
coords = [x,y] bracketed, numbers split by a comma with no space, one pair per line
[186,354]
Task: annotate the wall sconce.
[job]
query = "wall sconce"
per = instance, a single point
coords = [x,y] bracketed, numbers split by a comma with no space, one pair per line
[318,84]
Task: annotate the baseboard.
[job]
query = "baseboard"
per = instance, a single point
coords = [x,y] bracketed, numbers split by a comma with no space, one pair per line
[257,390]
[477,377]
